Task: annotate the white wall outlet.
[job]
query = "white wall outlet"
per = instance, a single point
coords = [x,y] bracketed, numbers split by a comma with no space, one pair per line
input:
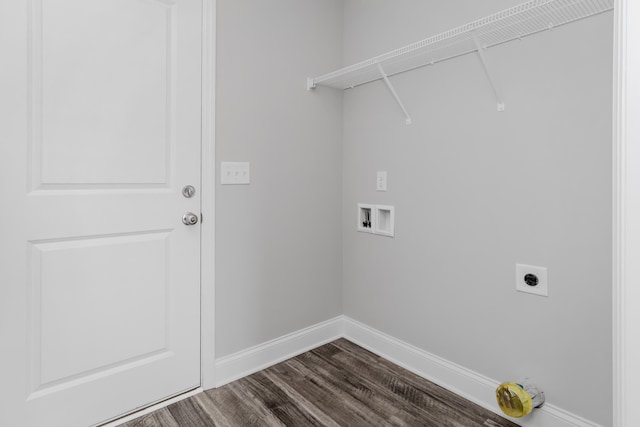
[385,219]
[381,181]
[366,218]
[532,280]
[234,173]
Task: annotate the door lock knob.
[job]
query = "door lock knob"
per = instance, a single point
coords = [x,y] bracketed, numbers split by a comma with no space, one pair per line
[188,191]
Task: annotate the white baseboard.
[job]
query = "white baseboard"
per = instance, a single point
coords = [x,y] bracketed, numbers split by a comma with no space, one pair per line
[254,359]
[458,379]
[462,381]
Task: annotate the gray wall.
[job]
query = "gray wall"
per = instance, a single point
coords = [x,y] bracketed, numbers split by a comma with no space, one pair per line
[278,241]
[477,191]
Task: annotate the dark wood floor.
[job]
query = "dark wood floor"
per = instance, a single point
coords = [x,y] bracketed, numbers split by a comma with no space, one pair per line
[338,384]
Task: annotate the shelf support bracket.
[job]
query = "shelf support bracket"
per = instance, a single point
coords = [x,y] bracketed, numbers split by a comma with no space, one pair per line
[394,94]
[310,83]
[483,60]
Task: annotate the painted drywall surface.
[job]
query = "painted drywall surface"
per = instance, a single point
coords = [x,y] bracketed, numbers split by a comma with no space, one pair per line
[278,240]
[477,191]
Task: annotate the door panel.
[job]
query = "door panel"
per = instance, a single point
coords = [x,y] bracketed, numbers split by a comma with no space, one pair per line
[89,316]
[100,279]
[103,85]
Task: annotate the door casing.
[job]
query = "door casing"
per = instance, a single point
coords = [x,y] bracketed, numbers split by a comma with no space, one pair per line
[207,238]
[626,215]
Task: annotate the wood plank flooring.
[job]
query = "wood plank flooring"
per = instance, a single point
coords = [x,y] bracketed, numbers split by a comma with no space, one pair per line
[338,384]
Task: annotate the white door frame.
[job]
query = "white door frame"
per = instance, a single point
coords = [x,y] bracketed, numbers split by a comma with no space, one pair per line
[207,185]
[626,215]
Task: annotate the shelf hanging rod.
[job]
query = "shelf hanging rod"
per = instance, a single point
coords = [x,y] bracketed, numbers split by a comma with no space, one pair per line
[394,94]
[483,60]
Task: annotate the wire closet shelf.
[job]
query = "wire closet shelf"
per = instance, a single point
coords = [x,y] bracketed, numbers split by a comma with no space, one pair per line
[510,24]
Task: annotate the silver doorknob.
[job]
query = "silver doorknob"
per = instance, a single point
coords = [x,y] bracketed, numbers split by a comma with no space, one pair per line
[189,218]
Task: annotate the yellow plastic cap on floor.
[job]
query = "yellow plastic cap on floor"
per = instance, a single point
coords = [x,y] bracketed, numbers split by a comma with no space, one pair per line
[514,400]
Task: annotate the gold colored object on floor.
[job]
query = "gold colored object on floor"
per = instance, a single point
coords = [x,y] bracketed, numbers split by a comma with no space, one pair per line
[517,399]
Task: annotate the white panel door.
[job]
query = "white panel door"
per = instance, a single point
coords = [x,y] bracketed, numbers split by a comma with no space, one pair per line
[100,118]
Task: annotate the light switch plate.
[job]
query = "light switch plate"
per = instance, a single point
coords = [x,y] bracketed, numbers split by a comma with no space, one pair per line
[381,181]
[235,173]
